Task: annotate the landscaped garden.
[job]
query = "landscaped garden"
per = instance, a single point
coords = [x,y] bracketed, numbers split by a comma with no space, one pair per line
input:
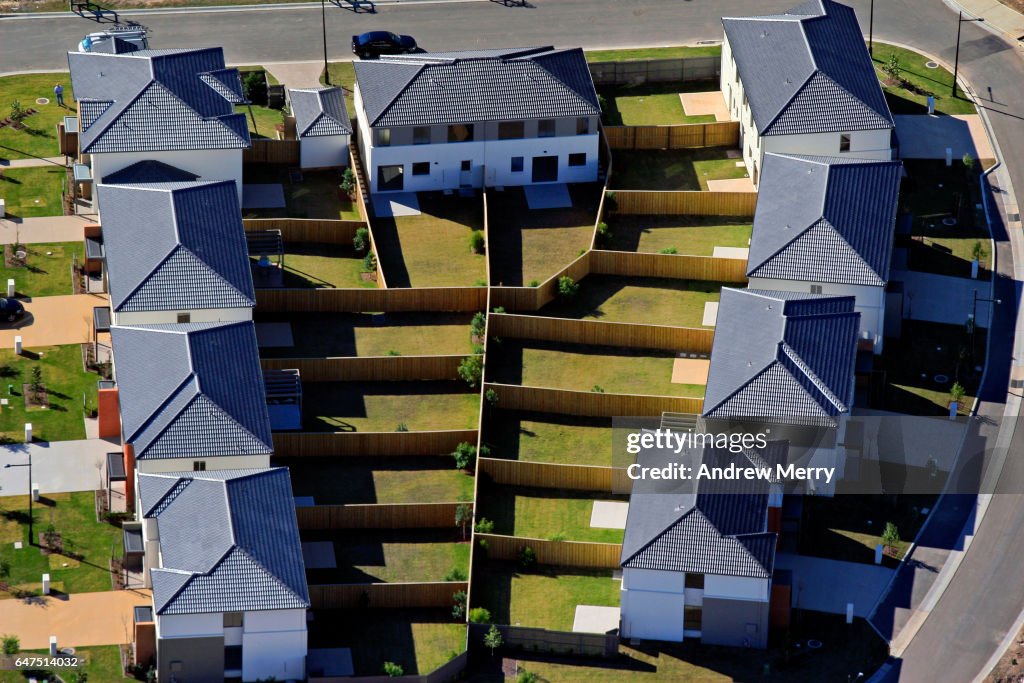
[694,235]
[418,640]
[527,246]
[382,556]
[32,192]
[70,545]
[577,367]
[323,265]
[674,169]
[658,301]
[388,406]
[101,663]
[307,194]
[367,334]
[39,136]
[551,514]
[908,92]
[47,269]
[419,479]
[443,246]
[651,104]
[542,437]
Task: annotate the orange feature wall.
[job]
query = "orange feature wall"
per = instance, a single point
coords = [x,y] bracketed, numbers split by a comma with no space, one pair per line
[109,414]
[129,481]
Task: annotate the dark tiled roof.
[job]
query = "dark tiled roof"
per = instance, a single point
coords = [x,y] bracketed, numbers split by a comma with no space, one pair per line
[807,71]
[175,246]
[782,356]
[319,112]
[822,219]
[229,541]
[191,390]
[148,171]
[490,85]
[157,100]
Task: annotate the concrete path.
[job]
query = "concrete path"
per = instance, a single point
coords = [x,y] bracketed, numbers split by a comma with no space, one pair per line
[827,585]
[58,466]
[997,15]
[54,320]
[297,74]
[44,229]
[927,137]
[705,104]
[30,163]
[941,298]
[78,620]
[595,619]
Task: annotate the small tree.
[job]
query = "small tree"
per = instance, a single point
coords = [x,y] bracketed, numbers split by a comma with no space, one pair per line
[254,85]
[36,384]
[968,162]
[361,241]
[484,526]
[18,112]
[890,537]
[476,242]
[479,615]
[527,558]
[604,233]
[527,677]
[463,516]
[348,181]
[459,606]
[567,287]
[464,455]
[393,670]
[369,263]
[957,392]
[978,252]
[478,326]
[11,644]
[493,639]
[893,69]
[50,535]
[491,396]
[471,370]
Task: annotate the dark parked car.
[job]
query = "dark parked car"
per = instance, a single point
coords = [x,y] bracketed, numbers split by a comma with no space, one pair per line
[377,43]
[11,309]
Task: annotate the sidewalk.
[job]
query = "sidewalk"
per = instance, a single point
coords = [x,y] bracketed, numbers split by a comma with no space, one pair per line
[297,74]
[45,229]
[996,14]
[78,620]
[29,163]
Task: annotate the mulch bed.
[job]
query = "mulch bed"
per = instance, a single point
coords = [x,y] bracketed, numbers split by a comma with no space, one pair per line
[9,259]
[368,277]
[31,398]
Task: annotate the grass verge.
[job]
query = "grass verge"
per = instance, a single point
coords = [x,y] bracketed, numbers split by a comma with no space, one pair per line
[39,137]
[910,94]
[653,53]
[32,192]
[47,271]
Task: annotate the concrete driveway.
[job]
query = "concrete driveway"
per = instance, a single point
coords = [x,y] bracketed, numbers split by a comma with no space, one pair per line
[54,320]
[827,585]
[942,298]
[78,620]
[58,466]
[927,137]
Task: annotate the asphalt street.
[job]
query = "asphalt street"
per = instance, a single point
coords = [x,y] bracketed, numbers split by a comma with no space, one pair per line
[986,595]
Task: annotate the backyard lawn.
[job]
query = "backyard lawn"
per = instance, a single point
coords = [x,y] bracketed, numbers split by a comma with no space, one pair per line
[678,169]
[433,248]
[321,265]
[418,640]
[551,514]
[384,556]
[653,53]
[39,137]
[67,385]
[47,271]
[32,192]
[265,119]
[545,597]
[529,246]
[84,564]
[420,479]
[651,104]
[585,368]
[918,81]
[694,235]
[542,437]
[311,194]
[384,406]
[325,335]
[657,301]
[102,663]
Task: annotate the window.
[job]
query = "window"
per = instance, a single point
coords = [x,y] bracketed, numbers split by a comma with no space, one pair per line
[692,618]
[460,133]
[844,142]
[583,126]
[384,137]
[517,164]
[198,465]
[815,289]
[467,164]
[695,581]
[578,159]
[546,128]
[184,318]
[232,619]
[421,135]
[233,658]
[511,130]
[421,168]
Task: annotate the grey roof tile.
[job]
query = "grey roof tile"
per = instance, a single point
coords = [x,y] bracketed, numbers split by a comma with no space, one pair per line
[148,171]
[320,112]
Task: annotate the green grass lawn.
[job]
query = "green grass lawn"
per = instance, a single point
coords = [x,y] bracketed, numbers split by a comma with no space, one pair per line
[581,368]
[315,196]
[343,75]
[66,383]
[695,235]
[102,663]
[918,81]
[432,249]
[545,597]
[322,265]
[529,246]
[382,406]
[542,437]
[423,479]
[262,120]
[551,514]
[657,301]
[325,335]
[653,53]
[39,137]
[84,565]
[47,271]
[651,104]
[391,556]
[676,170]
[32,192]
[417,640]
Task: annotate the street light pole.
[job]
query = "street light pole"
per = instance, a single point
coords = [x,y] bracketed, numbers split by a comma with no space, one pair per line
[323,21]
[871,30]
[956,60]
[31,538]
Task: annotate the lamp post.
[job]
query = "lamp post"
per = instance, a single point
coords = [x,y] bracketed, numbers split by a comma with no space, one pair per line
[323,22]
[956,61]
[871,30]
[31,538]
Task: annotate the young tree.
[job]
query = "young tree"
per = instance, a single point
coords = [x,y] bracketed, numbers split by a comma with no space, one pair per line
[893,69]
[493,639]
[463,516]
[890,536]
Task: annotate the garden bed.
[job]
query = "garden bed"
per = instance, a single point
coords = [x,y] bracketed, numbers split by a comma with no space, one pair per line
[383,556]
[542,437]
[676,170]
[385,406]
[551,514]
[694,235]
[419,479]
[909,94]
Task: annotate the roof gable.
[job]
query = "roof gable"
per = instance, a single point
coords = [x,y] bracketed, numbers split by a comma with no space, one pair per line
[320,112]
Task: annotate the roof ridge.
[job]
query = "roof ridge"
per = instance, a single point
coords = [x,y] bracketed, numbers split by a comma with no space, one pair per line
[269,573]
[764,262]
[421,67]
[812,375]
[191,379]
[796,92]
[661,533]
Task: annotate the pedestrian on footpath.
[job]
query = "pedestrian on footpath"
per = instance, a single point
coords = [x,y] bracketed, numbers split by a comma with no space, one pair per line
[58,90]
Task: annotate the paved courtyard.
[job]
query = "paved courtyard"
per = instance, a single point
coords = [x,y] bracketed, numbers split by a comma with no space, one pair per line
[58,466]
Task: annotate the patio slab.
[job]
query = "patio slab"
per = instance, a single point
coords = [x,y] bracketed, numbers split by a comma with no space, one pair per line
[554,196]
[609,514]
[690,370]
[396,204]
[319,555]
[274,335]
[263,196]
[710,314]
[731,185]
[731,252]
[711,103]
[594,619]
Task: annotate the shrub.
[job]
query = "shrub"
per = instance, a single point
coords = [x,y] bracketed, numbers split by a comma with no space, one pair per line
[604,233]
[362,240]
[479,615]
[369,263]
[348,182]
[392,352]
[463,516]
[527,677]
[610,202]
[483,546]
[11,644]
[5,567]
[597,389]
[533,283]
[476,242]
[459,608]
[567,287]
[480,283]
[668,250]
[560,536]
[527,558]
[401,427]
[471,370]
[478,350]
[602,102]
[484,526]
[957,392]
[485,451]
[977,251]
[254,86]
[491,396]
[478,326]
[455,574]
[393,670]
[498,309]
[464,455]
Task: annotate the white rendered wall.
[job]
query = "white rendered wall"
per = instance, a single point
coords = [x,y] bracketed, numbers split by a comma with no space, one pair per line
[203,315]
[326,151]
[274,644]
[208,164]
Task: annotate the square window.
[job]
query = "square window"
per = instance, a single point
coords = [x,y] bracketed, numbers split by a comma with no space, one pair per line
[198,465]
[815,289]
[583,126]
[384,137]
[460,133]
[511,130]
[546,128]
[184,318]
[517,164]
[844,142]
[578,159]
[466,165]
[695,581]
[421,135]
[421,168]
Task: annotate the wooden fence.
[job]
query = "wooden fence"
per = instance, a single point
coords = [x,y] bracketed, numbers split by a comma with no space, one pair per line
[447,672]
[379,516]
[677,266]
[382,444]
[579,554]
[301,230]
[362,197]
[592,478]
[385,595]
[661,203]
[589,403]
[533,298]
[524,638]
[369,368]
[356,300]
[272,152]
[671,70]
[678,136]
[601,333]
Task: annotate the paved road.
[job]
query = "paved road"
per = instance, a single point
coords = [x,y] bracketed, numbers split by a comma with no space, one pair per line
[987,593]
